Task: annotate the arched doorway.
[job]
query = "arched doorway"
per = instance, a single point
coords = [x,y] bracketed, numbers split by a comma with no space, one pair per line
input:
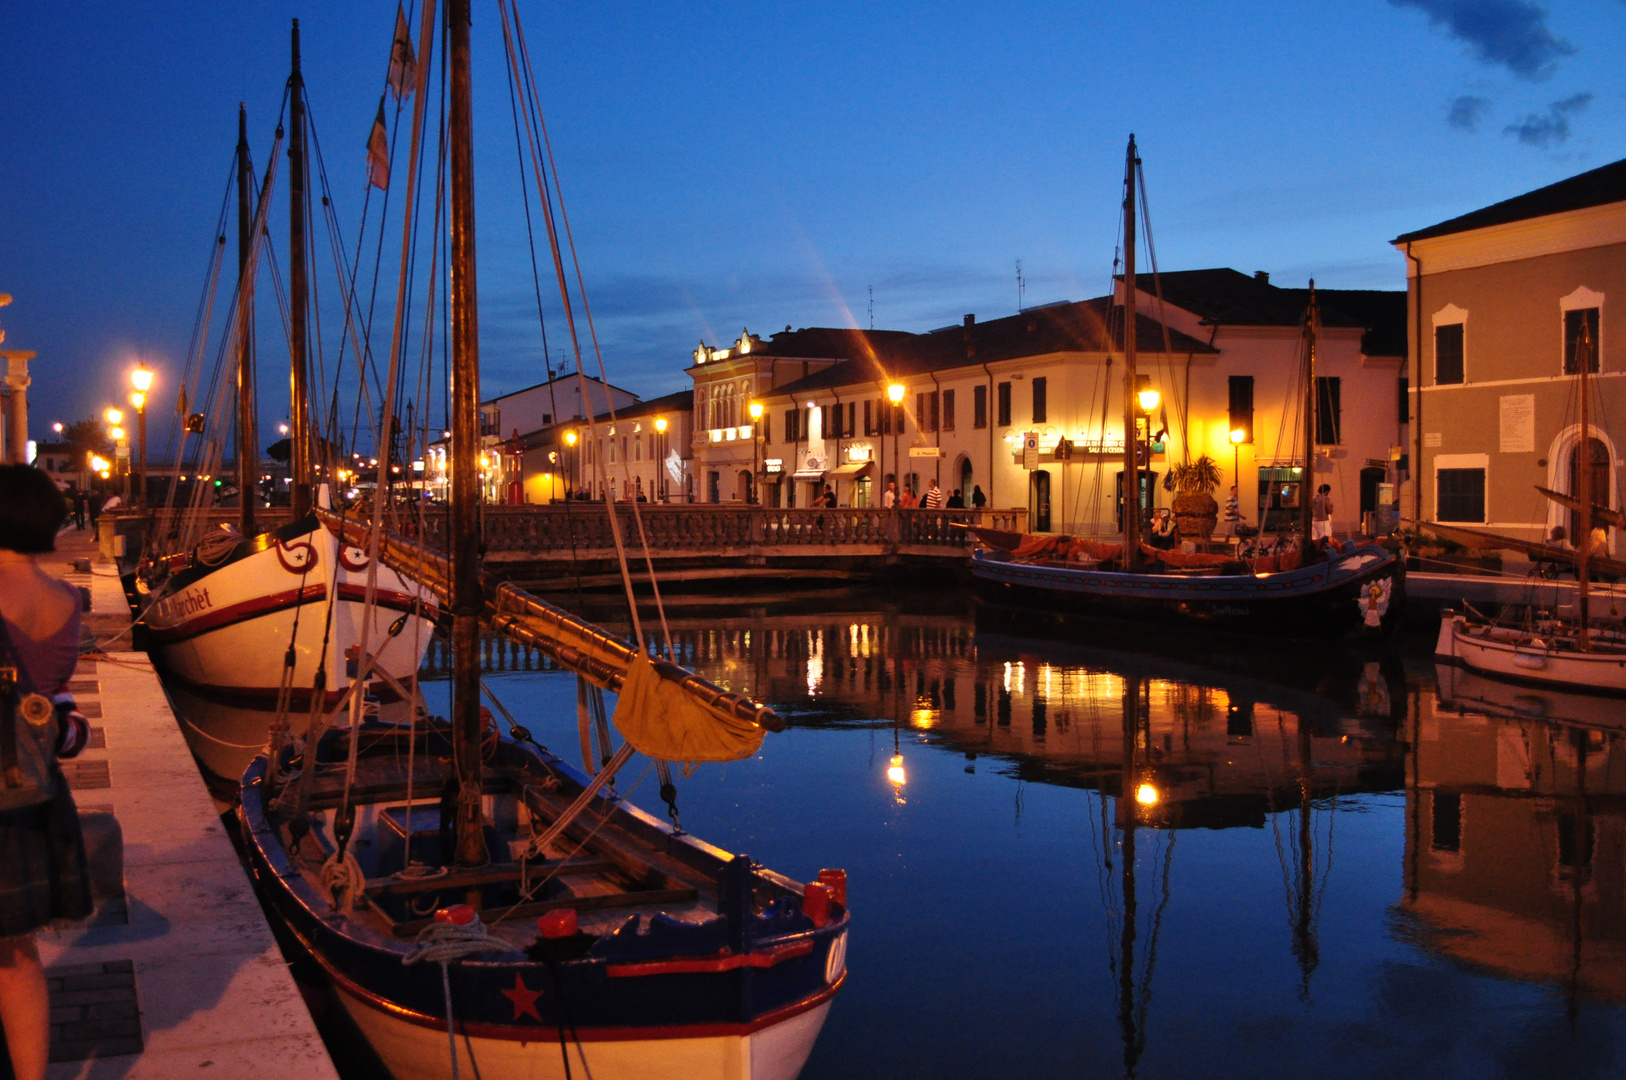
[964,478]
[1602,495]
[745,493]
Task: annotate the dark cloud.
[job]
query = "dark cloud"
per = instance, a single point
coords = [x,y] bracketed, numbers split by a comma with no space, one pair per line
[1551,127]
[1508,33]
[1466,112]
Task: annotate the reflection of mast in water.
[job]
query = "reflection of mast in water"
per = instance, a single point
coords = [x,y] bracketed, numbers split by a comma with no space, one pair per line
[1581,862]
[1305,903]
[1138,790]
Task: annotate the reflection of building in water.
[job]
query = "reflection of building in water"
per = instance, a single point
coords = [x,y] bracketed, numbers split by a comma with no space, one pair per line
[1225,750]
[1516,846]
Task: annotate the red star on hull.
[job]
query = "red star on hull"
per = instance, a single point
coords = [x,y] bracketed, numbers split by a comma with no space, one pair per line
[524,999]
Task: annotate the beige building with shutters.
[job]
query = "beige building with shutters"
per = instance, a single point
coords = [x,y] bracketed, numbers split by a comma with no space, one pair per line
[1497,299]
[975,393]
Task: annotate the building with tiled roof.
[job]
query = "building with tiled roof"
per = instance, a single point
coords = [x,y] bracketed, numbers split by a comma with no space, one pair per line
[974,394]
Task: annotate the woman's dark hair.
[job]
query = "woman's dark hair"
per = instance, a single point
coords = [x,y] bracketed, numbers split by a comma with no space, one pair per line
[31,510]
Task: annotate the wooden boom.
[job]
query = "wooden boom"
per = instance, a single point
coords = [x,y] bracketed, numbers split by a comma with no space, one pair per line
[590,651]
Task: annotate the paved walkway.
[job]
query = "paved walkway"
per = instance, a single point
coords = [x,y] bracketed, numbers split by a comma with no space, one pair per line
[184,972]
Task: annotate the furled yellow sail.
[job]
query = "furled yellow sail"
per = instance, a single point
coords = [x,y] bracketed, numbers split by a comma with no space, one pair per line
[661,721]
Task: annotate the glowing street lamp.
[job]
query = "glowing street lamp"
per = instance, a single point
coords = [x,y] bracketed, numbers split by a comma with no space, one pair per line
[894,393]
[113,416]
[1238,437]
[573,470]
[1149,400]
[660,458]
[755,409]
[141,379]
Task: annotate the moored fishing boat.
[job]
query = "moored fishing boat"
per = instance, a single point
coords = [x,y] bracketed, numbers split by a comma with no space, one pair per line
[1310,589]
[272,616]
[480,907]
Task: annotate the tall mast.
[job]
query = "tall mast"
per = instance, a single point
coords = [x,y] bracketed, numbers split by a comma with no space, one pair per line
[1583,491]
[1131,473]
[467,600]
[299,460]
[248,454]
[1312,323]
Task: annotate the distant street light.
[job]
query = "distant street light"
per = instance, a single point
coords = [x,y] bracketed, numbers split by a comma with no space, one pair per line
[755,410]
[141,379]
[1238,436]
[660,458]
[894,393]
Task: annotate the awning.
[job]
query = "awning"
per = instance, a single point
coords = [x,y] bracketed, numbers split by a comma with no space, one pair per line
[805,475]
[851,469]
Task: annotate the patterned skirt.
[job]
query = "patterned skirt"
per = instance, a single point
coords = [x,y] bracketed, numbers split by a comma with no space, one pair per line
[43,873]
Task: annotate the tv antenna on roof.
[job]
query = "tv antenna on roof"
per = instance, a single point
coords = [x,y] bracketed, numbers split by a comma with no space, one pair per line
[1021,287]
[872,307]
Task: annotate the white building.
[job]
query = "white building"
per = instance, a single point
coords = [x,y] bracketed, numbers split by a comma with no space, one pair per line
[974,394]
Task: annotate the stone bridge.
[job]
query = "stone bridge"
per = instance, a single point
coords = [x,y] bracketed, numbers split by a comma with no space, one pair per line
[694,542]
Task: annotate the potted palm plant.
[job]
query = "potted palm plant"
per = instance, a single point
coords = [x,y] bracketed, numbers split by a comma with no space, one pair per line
[1195,511]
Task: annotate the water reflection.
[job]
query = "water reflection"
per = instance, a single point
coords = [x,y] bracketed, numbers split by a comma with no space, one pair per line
[1516,840]
[1219,862]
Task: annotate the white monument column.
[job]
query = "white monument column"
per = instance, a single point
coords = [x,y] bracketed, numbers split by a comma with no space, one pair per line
[17,380]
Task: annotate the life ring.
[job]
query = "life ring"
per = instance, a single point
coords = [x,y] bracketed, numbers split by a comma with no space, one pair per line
[302,563]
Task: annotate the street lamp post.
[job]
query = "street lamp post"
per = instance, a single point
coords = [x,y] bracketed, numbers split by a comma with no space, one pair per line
[660,458]
[1149,400]
[573,466]
[894,394]
[141,379]
[1238,435]
[115,417]
[756,437]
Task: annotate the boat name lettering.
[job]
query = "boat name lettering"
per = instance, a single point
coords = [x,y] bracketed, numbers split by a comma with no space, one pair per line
[188,603]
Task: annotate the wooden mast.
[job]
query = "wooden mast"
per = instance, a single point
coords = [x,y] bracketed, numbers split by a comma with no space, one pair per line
[467,600]
[299,461]
[1583,492]
[248,456]
[1131,473]
[1312,323]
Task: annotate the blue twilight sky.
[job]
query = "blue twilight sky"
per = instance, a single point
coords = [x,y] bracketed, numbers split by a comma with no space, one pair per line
[749,164]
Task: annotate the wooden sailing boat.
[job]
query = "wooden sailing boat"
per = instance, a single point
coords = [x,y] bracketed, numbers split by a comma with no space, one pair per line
[271,616]
[1350,590]
[1549,650]
[412,861]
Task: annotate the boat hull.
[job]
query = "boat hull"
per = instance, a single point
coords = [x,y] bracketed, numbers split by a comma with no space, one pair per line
[227,629]
[1505,656]
[748,1012]
[1358,593]
[418,1051]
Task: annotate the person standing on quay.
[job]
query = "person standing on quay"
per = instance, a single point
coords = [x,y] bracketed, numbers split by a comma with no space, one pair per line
[978,499]
[934,497]
[43,873]
[1321,513]
[890,499]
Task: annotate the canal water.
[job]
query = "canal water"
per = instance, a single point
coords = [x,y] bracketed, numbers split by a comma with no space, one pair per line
[1077,851]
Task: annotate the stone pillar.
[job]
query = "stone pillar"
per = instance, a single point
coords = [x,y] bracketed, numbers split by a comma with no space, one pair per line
[15,450]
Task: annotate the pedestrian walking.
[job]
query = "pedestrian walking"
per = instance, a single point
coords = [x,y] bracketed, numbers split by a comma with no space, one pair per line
[78,509]
[43,872]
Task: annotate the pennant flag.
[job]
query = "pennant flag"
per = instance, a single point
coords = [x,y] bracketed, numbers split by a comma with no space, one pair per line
[180,405]
[403,64]
[378,153]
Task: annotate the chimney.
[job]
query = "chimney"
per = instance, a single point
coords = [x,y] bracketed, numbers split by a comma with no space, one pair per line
[970,319]
[1262,277]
